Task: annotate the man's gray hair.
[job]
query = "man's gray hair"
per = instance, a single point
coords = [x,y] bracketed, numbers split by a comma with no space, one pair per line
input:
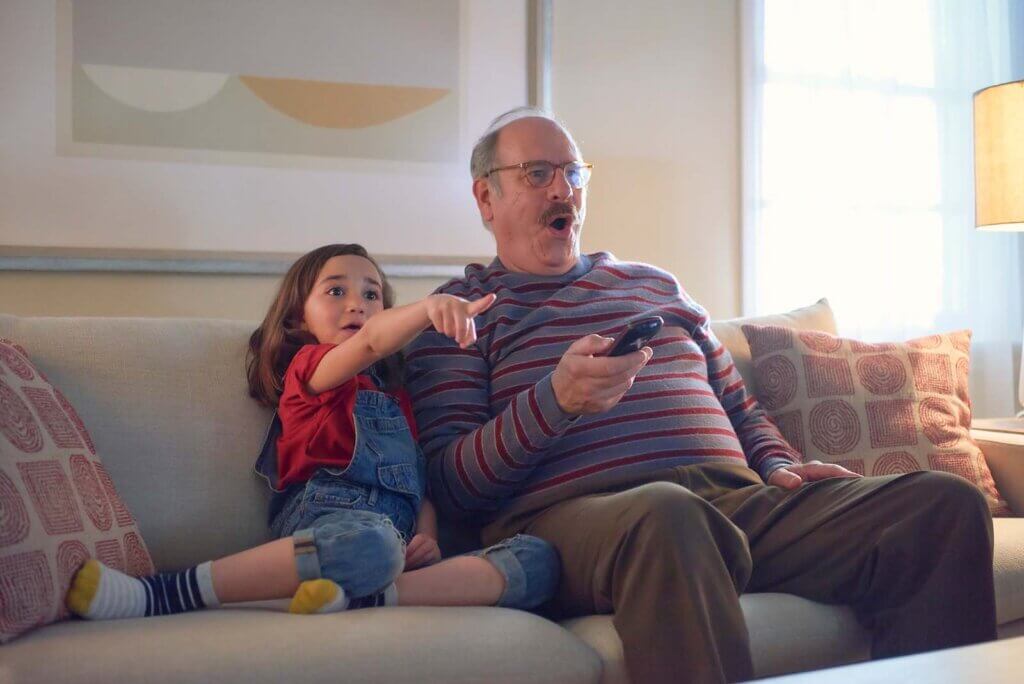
[482,159]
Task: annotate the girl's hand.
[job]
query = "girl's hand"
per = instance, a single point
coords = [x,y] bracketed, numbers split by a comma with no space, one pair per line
[453,316]
[422,550]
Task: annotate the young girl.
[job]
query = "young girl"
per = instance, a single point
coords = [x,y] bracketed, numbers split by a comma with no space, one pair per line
[353,526]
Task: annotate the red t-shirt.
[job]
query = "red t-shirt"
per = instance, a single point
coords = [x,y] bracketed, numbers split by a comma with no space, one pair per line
[317,429]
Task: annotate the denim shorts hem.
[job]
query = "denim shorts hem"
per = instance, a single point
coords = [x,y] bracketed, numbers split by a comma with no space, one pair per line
[307,559]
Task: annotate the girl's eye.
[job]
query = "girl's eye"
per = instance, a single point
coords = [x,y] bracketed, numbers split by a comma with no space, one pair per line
[372,295]
[336,292]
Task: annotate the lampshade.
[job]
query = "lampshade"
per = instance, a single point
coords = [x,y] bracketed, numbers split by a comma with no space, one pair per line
[999,157]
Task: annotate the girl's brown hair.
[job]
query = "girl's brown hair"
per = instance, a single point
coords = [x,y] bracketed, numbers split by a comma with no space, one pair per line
[274,343]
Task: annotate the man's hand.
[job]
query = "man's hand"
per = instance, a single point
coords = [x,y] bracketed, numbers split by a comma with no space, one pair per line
[584,383]
[791,477]
[421,551]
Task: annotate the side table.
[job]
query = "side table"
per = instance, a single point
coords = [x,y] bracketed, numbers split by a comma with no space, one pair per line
[995,662]
[1002,442]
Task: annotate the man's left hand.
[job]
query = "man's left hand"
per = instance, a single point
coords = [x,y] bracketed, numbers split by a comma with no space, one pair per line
[791,477]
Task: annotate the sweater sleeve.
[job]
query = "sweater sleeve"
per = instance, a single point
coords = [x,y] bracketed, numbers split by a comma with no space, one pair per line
[476,461]
[765,447]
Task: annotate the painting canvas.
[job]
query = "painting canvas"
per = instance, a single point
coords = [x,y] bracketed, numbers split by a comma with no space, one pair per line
[340,78]
[224,130]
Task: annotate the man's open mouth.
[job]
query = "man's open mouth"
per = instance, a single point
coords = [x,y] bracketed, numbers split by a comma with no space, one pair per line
[560,223]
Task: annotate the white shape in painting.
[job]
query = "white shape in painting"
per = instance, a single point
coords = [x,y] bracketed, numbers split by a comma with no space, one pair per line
[156,90]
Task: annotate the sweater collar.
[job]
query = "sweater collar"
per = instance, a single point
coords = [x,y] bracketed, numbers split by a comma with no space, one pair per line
[582,266]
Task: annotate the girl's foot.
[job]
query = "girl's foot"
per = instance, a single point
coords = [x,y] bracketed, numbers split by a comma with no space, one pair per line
[318,596]
[101,593]
[325,596]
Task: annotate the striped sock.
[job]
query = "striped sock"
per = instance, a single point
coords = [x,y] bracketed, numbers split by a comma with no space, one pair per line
[386,598]
[101,593]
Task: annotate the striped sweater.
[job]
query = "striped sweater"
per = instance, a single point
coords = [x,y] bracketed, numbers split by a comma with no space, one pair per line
[493,433]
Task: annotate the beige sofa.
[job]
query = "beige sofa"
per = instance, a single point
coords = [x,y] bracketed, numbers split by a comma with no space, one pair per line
[166,403]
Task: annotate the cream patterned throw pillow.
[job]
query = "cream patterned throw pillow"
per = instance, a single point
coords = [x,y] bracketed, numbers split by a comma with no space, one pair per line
[58,505]
[876,409]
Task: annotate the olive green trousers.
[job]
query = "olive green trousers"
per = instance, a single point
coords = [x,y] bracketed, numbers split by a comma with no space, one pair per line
[669,554]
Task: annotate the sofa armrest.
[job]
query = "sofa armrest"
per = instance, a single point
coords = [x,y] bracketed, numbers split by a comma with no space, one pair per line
[1004,452]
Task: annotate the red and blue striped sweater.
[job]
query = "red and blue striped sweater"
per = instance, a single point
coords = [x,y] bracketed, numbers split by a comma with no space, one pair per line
[494,436]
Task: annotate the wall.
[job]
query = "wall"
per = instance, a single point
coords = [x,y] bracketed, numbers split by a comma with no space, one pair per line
[651,91]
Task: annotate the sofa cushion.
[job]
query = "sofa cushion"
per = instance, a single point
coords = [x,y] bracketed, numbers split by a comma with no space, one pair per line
[168,406]
[256,645]
[876,409]
[58,505]
[1008,566]
[787,634]
[817,316]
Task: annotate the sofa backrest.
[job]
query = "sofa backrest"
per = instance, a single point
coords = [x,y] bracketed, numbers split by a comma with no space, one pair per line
[817,316]
[166,403]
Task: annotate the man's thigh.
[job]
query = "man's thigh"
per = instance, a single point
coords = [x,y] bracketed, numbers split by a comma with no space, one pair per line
[816,541]
[583,531]
[605,541]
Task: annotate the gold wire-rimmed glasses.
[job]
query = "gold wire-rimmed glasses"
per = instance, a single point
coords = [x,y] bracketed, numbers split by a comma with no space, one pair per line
[540,173]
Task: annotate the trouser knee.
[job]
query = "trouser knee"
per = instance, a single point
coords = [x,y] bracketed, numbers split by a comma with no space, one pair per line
[668,518]
[954,498]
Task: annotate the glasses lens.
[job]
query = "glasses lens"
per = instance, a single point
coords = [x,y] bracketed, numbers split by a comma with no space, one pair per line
[539,174]
[577,174]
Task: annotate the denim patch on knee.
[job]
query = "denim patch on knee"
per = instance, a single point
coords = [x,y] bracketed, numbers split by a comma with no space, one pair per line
[362,553]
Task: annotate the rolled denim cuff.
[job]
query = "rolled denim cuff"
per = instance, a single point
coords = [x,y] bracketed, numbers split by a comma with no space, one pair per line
[502,558]
[307,560]
[531,569]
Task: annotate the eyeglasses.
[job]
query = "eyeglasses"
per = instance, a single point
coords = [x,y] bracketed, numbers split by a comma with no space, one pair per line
[539,174]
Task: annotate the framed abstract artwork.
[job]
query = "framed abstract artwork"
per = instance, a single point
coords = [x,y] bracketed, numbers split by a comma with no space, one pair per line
[239,131]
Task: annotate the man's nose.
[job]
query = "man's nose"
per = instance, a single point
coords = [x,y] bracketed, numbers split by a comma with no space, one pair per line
[560,189]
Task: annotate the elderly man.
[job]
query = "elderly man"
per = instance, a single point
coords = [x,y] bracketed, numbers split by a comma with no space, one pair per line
[662,483]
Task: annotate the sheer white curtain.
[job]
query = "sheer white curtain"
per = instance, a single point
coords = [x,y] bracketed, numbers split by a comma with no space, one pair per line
[858,172]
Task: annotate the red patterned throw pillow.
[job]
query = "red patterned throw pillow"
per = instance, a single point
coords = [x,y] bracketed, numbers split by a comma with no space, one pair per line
[876,409]
[58,505]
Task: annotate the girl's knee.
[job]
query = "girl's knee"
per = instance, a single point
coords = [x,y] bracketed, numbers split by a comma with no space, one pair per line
[362,558]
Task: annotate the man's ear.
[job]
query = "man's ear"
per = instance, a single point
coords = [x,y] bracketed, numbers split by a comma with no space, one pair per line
[482,193]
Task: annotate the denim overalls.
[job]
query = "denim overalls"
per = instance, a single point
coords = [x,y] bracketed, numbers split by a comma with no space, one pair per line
[351,525]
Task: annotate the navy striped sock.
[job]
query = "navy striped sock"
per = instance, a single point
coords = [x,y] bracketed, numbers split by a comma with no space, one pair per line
[102,593]
[388,597]
[178,592]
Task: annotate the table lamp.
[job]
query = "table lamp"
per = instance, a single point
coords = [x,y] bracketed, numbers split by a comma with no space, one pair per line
[999,164]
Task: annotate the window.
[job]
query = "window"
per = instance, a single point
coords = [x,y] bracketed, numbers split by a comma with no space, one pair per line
[858,164]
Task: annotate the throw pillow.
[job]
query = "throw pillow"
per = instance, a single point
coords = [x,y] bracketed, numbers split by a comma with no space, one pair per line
[58,504]
[876,409]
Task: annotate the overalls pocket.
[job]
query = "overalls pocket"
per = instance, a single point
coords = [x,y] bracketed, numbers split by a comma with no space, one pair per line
[401,477]
[328,489]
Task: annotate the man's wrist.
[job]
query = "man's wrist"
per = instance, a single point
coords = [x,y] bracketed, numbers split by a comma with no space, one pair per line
[556,382]
[547,398]
[772,464]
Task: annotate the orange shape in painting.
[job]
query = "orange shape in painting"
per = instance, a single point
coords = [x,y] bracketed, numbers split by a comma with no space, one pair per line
[341,105]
